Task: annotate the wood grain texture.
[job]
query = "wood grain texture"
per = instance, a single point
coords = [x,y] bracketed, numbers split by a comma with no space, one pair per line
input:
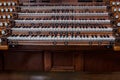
[47,61]
[23,61]
[78,61]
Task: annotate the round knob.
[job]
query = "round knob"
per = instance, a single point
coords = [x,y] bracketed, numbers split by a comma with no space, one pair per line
[118,24]
[6,9]
[117,16]
[4,16]
[4,3]
[0,4]
[2,10]
[13,3]
[8,16]
[113,3]
[11,9]
[119,9]
[115,9]
[6,24]
[2,32]
[118,3]
[1,24]
[9,3]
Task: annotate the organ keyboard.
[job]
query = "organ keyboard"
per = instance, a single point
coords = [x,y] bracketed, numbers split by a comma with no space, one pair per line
[94,23]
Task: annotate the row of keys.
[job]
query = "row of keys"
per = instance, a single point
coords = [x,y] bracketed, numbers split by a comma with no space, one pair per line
[65,26]
[59,18]
[62,38]
[63,14]
[61,7]
[7,3]
[65,21]
[63,11]
[65,29]
[7,10]
[64,4]
[63,35]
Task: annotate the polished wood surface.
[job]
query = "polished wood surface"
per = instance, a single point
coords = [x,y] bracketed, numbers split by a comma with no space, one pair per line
[4,47]
[70,61]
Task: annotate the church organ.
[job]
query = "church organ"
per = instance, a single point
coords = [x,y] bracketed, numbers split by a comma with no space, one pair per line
[58,25]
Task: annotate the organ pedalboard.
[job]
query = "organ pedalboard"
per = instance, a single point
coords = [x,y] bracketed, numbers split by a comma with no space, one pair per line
[80,23]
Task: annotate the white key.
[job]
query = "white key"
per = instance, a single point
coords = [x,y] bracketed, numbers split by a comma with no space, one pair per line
[18,37]
[29,37]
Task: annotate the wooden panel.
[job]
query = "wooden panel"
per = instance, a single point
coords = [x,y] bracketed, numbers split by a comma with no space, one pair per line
[47,61]
[116,65]
[88,61]
[105,61]
[78,61]
[62,61]
[1,61]
[23,61]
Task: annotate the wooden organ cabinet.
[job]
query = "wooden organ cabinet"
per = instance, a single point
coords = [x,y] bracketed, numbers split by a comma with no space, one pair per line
[60,35]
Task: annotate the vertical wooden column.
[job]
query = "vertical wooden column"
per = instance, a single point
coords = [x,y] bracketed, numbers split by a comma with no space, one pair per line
[78,61]
[47,61]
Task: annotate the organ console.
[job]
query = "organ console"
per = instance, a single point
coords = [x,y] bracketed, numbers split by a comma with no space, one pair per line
[47,23]
[58,35]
